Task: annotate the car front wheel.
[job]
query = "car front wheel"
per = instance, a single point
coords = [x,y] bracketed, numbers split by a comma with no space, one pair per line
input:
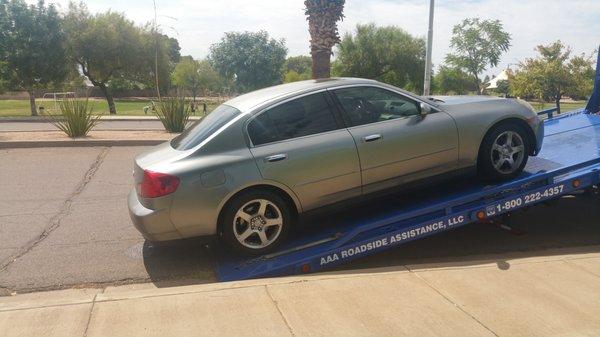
[504,152]
[256,223]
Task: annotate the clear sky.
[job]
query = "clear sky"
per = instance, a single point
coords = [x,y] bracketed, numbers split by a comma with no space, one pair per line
[199,23]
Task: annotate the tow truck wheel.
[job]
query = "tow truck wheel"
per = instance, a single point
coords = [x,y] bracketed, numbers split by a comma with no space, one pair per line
[256,222]
[504,152]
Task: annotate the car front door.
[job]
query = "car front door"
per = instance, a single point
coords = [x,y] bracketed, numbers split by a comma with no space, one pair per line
[396,144]
[304,145]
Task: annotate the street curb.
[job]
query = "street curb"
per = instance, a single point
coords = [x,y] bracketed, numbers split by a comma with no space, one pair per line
[24,144]
[95,129]
[109,293]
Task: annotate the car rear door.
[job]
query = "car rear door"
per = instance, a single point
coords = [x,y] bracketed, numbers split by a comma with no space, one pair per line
[303,144]
[395,143]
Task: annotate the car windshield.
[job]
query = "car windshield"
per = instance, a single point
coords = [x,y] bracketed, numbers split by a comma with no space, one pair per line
[205,127]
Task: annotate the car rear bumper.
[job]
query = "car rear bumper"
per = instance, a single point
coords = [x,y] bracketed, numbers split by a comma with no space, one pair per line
[155,225]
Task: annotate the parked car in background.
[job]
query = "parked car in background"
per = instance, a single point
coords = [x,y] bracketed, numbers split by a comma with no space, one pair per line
[252,166]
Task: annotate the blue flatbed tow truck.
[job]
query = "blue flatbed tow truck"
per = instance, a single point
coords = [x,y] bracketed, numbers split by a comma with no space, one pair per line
[569,162]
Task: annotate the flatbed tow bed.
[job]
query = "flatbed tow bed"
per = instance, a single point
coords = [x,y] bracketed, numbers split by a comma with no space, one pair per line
[569,162]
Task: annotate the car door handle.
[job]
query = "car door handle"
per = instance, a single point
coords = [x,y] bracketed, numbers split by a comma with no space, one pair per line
[276,157]
[371,138]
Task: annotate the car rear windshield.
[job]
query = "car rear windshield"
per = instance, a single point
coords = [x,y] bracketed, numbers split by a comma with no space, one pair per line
[202,129]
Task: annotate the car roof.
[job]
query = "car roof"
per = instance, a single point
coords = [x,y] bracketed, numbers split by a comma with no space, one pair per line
[247,102]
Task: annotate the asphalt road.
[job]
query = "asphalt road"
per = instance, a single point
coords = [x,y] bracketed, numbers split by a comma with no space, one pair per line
[102,125]
[64,223]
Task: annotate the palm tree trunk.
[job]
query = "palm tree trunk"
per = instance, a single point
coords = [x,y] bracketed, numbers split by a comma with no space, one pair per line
[323,16]
[321,64]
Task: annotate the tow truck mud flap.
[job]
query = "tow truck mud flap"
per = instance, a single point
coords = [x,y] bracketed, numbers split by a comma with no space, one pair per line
[568,162]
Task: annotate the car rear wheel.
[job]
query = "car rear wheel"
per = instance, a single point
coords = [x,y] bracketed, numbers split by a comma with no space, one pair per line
[256,222]
[504,152]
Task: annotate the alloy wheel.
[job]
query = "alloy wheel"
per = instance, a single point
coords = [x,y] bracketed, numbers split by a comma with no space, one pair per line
[257,224]
[508,152]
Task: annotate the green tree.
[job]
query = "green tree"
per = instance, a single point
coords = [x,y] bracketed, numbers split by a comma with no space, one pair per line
[388,54]
[173,49]
[300,64]
[503,88]
[73,81]
[322,16]
[477,45]
[292,76]
[105,46]
[196,76]
[156,44]
[582,74]
[452,80]
[249,60]
[4,43]
[297,68]
[3,77]
[553,74]
[117,84]
[33,52]
[486,79]
[336,68]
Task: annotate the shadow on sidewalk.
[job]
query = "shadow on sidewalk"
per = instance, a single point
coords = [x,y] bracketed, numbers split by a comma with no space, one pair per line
[180,262]
[566,226]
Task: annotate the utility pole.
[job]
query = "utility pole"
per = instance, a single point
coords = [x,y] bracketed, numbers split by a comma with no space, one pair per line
[156,53]
[428,68]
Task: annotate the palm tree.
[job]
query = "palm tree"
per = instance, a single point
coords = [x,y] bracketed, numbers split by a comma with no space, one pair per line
[323,16]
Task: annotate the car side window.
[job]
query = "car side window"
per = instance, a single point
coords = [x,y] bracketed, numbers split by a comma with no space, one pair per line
[364,105]
[304,116]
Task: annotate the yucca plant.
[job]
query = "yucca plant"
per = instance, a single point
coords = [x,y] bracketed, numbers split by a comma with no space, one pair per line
[174,113]
[76,118]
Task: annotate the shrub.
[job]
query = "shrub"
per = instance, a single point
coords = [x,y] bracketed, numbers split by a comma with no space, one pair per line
[173,113]
[76,118]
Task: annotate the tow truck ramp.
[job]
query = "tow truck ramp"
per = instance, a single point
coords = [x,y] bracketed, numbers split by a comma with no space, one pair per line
[569,162]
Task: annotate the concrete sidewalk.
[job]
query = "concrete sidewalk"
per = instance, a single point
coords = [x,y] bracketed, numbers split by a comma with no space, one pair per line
[42,119]
[552,295]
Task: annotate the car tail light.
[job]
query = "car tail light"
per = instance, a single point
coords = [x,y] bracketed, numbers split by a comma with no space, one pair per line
[156,184]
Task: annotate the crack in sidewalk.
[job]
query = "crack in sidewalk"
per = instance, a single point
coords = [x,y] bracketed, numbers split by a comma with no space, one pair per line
[582,268]
[64,211]
[87,325]
[448,299]
[285,320]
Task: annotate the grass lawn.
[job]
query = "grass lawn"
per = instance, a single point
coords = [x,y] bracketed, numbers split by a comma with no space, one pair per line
[14,108]
[564,107]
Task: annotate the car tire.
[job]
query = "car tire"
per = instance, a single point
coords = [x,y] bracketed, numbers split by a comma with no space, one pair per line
[500,159]
[256,222]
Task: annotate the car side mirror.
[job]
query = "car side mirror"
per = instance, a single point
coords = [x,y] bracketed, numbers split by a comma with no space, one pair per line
[424,109]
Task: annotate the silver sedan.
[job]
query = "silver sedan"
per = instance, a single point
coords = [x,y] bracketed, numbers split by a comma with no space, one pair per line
[252,166]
